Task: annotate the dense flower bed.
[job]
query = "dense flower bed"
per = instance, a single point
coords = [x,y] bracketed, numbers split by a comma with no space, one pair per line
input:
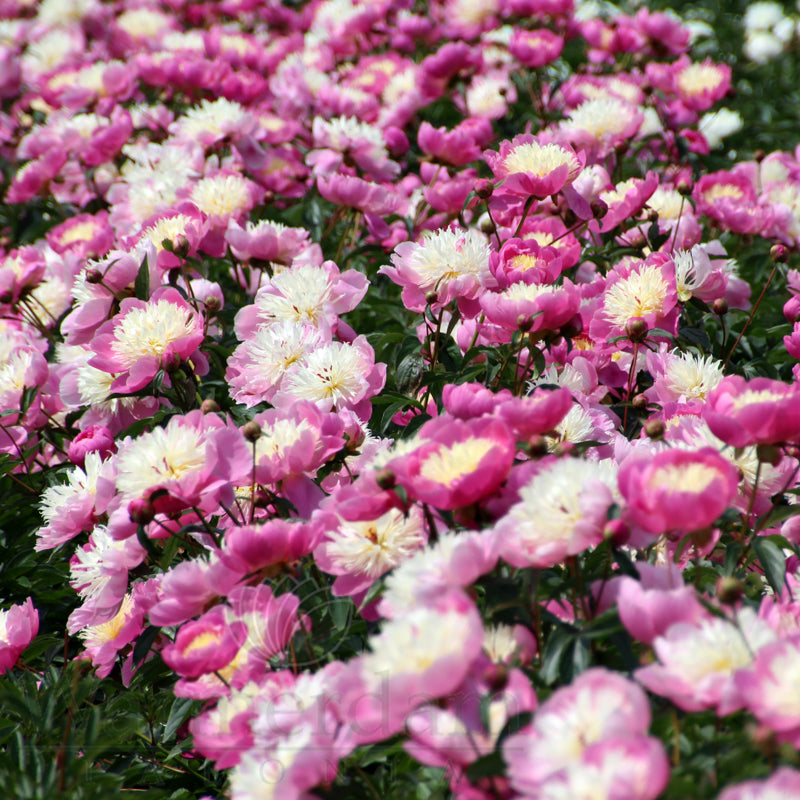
[395,400]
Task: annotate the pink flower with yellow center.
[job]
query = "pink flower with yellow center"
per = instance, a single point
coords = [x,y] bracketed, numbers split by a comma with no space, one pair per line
[532,169]
[760,411]
[678,490]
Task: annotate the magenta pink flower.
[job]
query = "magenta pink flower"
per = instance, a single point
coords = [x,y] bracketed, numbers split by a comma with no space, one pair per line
[535,48]
[526,261]
[459,146]
[146,337]
[94,439]
[348,190]
[266,241]
[678,490]
[18,627]
[251,548]
[760,411]
[531,169]
[205,645]
[458,462]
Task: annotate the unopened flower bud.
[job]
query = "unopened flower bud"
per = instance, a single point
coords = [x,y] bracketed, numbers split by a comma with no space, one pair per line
[496,677]
[654,429]
[213,303]
[487,226]
[141,511]
[779,253]
[170,361]
[537,447]
[599,208]
[617,532]
[720,306]
[385,479]
[524,322]
[431,297]
[209,406]
[484,188]
[636,329]
[759,155]
[251,430]
[639,402]
[684,187]
[729,590]
[94,276]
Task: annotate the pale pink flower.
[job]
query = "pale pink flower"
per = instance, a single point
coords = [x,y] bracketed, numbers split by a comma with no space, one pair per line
[769,690]
[697,662]
[783,784]
[561,511]
[450,263]
[599,706]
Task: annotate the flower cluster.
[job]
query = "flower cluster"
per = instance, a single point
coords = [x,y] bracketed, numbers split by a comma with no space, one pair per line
[379,366]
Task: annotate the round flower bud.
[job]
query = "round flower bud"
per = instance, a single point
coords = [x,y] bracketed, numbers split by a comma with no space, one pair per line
[251,431]
[654,428]
[729,590]
[639,402]
[385,479]
[141,511]
[720,306]
[94,276]
[209,406]
[636,329]
[484,188]
[779,254]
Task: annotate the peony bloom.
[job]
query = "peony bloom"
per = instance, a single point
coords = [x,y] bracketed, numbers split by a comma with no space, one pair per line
[193,461]
[531,169]
[18,627]
[562,511]
[599,706]
[677,490]
[457,463]
[146,337]
[410,663]
[266,241]
[699,86]
[450,263]
[535,48]
[783,784]
[760,411]
[697,662]
[205,645]
[769,688]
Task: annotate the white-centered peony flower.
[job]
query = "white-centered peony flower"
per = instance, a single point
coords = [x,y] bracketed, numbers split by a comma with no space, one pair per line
[150,329]
[79,482]
[692,376]
[106,632]
[222,195]
[157,457]
[604,118]
[373,547]
[330,376]
[643,292]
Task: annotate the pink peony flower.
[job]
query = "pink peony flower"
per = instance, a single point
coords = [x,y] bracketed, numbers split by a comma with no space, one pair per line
[677,490]
[768,688]
[697,662]
[18,627]
[205,645]
[535,48]
[457,463]
[146,337]
[531,169]
[784,783]
[760,411]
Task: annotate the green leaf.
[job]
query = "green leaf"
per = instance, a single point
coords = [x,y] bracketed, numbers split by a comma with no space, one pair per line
[144,643]
[177,715]
[773,561]
[141,287]
[486,766]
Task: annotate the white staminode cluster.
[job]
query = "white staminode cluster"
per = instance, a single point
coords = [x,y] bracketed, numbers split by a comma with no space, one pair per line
[767,31]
